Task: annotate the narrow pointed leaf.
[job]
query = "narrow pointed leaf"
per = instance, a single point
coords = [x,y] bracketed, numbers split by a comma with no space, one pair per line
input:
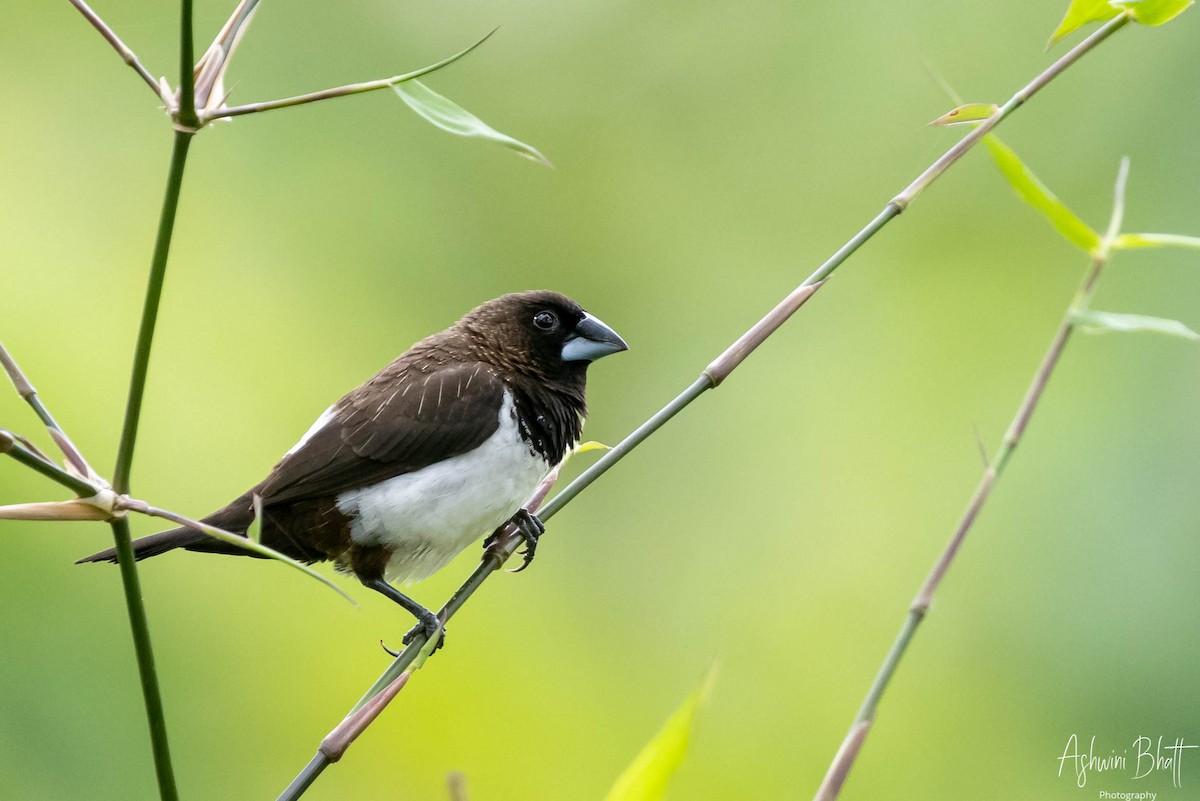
[966,113]
[1035,193]
[271,553]
[1154,12]
[1156,241]
[1080,13]
[1098,322]
[590,445]
[233,539]
[453,118]
[647,776]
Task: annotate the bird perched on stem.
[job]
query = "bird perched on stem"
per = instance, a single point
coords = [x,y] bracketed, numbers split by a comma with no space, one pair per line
[436,450]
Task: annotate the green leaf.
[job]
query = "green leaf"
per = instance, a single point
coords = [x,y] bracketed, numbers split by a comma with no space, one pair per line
[1097,322]
[270,553]
[590,445]
[1154,12]
[647,776]
[967,113]
[1080,13]
[1156,241]
[1035,193]
[451,117]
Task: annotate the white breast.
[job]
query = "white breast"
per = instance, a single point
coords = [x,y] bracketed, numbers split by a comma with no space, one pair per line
[431,514]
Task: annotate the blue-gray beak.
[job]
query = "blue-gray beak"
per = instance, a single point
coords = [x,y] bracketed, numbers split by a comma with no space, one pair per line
[591,340]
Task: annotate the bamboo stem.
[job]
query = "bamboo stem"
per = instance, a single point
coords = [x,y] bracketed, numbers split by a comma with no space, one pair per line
[147,671]
[185,116]
[130,582]
[120,528]
[154,287]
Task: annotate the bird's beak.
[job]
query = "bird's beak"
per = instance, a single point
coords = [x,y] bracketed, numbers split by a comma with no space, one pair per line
[591,340]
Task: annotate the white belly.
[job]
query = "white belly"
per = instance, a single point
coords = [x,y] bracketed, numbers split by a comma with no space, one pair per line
[429,515]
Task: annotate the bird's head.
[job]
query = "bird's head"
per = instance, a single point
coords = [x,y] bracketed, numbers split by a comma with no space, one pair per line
[541,332]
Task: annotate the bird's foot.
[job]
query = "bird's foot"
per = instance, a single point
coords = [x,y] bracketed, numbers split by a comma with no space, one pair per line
[427,622]
[429,627]
[530,527]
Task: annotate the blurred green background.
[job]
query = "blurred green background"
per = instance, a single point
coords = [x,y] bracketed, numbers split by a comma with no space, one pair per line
[708,156]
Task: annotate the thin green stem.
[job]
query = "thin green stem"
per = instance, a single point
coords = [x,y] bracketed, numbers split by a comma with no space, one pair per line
[133,408]
[145,661]
[843,762]
[186,117]
[158,271]
[720,368]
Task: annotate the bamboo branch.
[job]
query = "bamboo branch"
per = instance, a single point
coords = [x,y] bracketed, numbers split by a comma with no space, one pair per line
[845,758]
[337,91]
[12,445]
[716,372]
[123,50]
[26,390]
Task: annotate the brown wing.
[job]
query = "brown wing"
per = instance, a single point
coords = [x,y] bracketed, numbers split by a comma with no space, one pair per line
[401,420]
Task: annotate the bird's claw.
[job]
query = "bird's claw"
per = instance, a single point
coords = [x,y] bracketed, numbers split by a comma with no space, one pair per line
[428,626]
[530,527]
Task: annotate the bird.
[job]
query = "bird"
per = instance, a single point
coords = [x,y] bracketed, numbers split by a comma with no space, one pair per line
[436,450]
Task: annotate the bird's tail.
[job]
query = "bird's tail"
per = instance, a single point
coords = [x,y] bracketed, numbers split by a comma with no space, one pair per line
[234,518]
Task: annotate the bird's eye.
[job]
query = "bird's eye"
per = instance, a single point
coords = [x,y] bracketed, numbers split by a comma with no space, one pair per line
[545,320]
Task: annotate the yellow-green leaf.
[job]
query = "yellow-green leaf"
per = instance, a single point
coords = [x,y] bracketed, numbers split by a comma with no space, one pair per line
[1035,193]
[1080,13]
[270,553]
[449,116]
[1156,241]
[1154,12]
[1097,322]
[966,113]
[590,445]
[647,776]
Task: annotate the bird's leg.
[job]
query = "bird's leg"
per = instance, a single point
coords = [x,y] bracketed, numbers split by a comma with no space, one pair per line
[530,527]
[427,622]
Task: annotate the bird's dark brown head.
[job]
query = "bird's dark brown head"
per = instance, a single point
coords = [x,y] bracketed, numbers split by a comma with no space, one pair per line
[540,334]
